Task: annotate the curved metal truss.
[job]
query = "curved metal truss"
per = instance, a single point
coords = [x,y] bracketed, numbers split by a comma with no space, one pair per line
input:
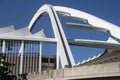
[63,49]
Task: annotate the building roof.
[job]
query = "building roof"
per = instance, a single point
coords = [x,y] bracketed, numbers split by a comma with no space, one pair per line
[108,56]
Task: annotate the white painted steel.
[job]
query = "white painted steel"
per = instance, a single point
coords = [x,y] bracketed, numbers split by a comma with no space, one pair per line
[39,34]
[20,32]
[93,20]
[7,29]
[21,57]
[63,49]
[3,46]
[49,40]
[83,26]
[40,57]
[95,43]
[59,31]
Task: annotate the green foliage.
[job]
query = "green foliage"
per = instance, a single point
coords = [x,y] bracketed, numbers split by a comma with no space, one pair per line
[4,67]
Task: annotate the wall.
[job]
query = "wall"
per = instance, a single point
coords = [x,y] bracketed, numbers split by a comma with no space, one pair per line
[81,72]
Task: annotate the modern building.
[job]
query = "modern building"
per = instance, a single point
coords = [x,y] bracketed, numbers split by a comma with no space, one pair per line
[24,49]
[31,63]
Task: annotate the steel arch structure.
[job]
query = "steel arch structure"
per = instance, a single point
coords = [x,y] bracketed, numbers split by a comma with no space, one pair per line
[63,50]
[62,43]
[24,36]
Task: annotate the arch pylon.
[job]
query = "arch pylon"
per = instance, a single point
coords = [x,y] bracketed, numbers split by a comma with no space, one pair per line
[63,49]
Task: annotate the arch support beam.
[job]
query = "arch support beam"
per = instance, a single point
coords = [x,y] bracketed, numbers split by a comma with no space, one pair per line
[91,19]
[63,49]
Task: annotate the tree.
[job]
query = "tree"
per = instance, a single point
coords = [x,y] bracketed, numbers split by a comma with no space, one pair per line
[4,67]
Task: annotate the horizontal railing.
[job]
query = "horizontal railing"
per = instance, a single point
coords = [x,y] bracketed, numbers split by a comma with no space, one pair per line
[26,54]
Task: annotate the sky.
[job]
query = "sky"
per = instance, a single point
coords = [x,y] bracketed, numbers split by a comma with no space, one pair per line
[20,12]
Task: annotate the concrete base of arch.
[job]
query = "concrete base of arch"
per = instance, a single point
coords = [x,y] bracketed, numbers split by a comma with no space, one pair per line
[105,71]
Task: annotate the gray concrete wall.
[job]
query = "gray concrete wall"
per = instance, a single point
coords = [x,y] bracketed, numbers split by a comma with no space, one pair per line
[81,72]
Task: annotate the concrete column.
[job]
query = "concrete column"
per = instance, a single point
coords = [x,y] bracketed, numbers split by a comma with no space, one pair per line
[21,57]
[3,47]
[40,57]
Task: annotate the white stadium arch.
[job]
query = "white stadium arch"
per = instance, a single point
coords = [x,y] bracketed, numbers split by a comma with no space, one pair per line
[63,49]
